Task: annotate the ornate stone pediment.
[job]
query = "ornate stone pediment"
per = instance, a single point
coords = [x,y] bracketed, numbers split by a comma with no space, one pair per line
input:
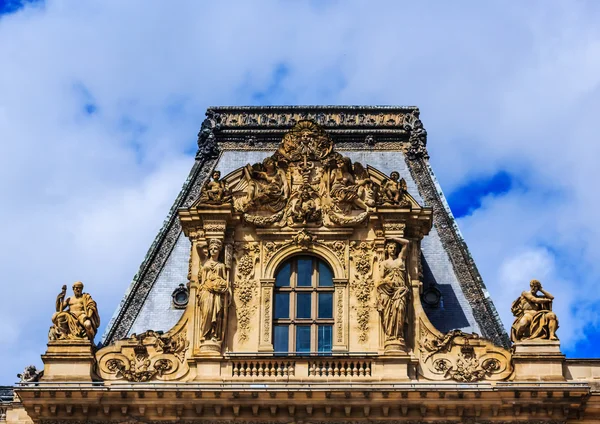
[307,183]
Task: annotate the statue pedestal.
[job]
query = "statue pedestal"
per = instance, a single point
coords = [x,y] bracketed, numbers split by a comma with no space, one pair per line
[68,360]
[210,348]
[538,360]
[398,367]
[394,347]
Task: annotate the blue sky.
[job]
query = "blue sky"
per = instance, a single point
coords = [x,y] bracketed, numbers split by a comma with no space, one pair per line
[101,101]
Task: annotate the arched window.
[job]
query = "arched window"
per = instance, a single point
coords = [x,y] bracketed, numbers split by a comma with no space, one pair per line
[303,306]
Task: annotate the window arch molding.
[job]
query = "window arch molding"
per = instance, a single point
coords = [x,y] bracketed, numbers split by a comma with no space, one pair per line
[320,251]
[341,301]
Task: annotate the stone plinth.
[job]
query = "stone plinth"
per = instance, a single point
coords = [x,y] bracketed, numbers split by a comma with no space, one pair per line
[68,360]
[538,360]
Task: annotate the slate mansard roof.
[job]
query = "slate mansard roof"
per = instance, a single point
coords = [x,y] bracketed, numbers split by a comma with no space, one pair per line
[386,137]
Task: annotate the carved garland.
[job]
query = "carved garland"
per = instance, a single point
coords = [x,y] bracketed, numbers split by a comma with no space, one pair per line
[361,284]
[245,285]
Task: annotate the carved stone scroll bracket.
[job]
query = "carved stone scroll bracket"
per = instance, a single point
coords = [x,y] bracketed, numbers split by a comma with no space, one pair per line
[461,357]
[145,357]
[266,317]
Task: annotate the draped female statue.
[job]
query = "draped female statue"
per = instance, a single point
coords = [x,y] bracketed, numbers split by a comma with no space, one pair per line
[393,291]
[215,294]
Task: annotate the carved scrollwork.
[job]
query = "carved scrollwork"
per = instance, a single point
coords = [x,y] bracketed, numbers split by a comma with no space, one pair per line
[339,248]
[461,357]
[245,285]
[361,284]
[144,357]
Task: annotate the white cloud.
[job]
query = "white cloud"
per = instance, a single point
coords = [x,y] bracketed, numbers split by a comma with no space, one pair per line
[501,86]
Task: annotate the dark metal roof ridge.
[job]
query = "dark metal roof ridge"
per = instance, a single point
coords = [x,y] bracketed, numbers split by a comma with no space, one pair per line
[314,107]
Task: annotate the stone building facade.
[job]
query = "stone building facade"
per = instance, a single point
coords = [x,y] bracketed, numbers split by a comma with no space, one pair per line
[310,271]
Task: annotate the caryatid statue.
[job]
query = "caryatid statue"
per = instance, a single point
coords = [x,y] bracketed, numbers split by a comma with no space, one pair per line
[214,296]
[393,291]
[76,317]
[534,318]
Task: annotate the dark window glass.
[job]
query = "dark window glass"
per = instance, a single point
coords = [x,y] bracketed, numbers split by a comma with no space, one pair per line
[325,305]
[283,276]
[303,338]
[305,272]
[303,309]
[325,275]
[324,338]
[280,338]
[282,305]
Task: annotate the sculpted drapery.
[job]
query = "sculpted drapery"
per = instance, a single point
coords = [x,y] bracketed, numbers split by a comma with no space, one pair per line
[534,318]
[393,290]
[215,294]
[76,317]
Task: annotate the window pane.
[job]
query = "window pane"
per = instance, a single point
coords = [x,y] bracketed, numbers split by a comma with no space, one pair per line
[280,338]
[324,336]
[303,338]
[303,309]
[305,272]
[325,276]
[325,305]
[283,276]
[282,305]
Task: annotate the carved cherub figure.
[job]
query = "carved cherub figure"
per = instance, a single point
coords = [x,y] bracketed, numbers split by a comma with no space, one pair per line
[215,192]
[393,190]
[534,318]
[76,317]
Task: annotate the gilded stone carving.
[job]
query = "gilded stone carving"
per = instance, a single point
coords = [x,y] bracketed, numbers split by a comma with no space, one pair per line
[393,293]
[534,319]
[144,357]
[76,317]
[361,284]
[215,191]
[214,295]
[245,286]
